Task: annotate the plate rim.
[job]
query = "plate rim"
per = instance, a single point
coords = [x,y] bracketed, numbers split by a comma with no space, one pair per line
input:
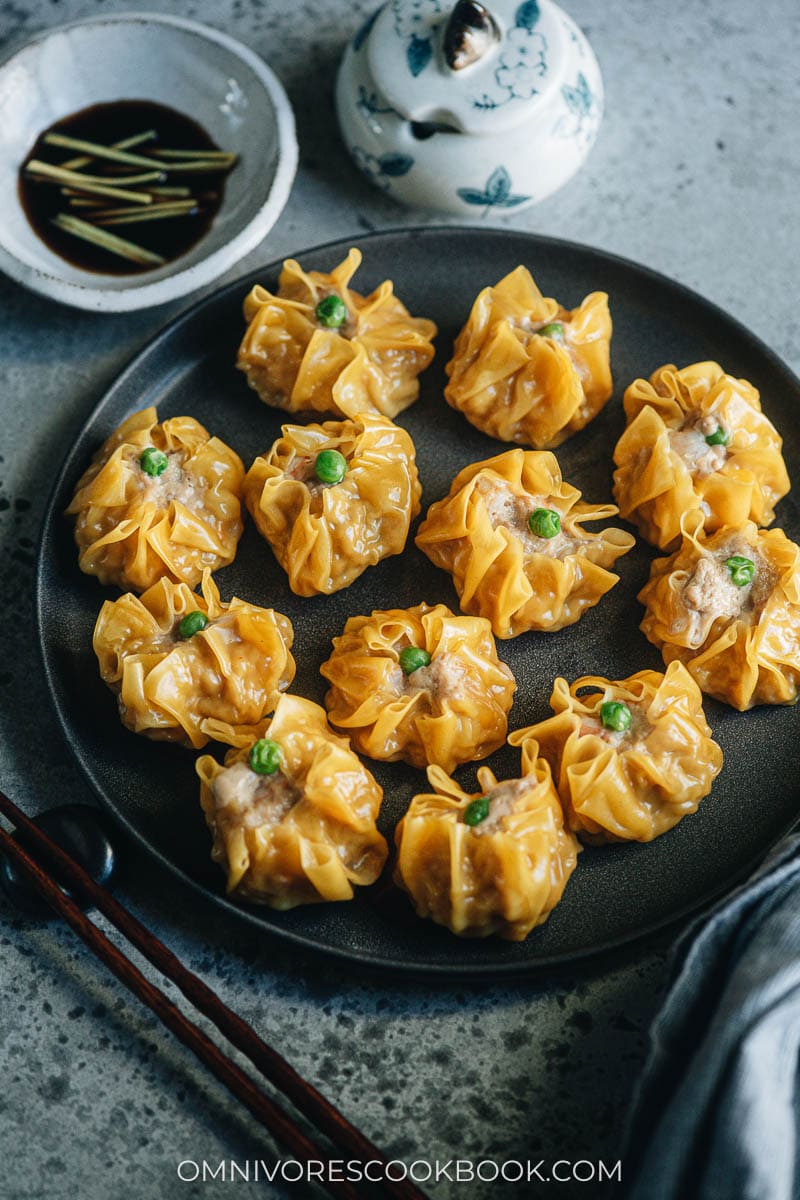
[432,971]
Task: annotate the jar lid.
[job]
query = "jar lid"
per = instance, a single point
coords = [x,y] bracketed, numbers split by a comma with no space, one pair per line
[474,67]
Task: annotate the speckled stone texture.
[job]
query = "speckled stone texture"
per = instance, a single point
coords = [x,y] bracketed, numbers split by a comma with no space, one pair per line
[695,174]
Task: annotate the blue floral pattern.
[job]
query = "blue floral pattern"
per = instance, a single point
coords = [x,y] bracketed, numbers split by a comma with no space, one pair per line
[495,194]
[412,24]
[372,107]
[523,62]
[382,169]
[582,111]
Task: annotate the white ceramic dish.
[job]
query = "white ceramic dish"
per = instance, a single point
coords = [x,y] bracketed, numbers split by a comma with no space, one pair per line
[209,76]
[501,133]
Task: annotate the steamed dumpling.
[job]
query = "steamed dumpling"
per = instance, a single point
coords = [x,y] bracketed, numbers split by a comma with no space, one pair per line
[696,442]
[630,757]
[728,608]
[526,370]
[419,684]
[292,812]
[327,526]
[511,533]
[161,500]
[502,873]
[360,355]
[190,668]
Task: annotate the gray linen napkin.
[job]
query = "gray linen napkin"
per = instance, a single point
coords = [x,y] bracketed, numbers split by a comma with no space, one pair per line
[716,1115]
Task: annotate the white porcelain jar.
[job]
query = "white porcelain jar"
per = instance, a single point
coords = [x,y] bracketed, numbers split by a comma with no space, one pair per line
[469,107]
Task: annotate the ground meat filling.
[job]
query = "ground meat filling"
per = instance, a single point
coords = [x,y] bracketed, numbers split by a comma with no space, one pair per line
[632,738]
[301,468]
[529,328]
[243,797]
[174,483]
[507,510]
[442,678]
[709,592]
[689,443]
[527,325]
[502,801]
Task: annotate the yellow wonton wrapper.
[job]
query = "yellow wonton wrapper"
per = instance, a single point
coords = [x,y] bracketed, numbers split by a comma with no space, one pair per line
[479,534]
[633,786]
[222,680]
[325,536]
[133,529]
[305,835]
[654,485]
[295,363]
[519,386]
[745,659]
[450,712]
[504,875]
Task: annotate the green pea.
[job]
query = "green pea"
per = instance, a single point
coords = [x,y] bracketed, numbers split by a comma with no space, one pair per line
[331,312]
[718,438]
[742,570]
[192,623]
[412,658]
[554,330]
[330,466]
[476,811]
[266,757]
[544,522]
[153,462]
[615,715]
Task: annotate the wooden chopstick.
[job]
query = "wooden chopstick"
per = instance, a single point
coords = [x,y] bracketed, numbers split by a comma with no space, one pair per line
[328,1119]
[226,1071]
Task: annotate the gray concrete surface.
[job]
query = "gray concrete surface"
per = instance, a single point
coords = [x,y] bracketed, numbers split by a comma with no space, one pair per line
[696,173]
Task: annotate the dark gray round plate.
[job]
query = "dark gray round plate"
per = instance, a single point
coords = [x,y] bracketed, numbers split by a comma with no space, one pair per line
[617,893]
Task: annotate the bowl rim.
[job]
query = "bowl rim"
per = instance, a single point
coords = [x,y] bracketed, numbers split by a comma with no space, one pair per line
[189,279]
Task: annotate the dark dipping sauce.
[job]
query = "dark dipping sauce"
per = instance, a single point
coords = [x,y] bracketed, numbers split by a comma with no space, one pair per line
[107,124]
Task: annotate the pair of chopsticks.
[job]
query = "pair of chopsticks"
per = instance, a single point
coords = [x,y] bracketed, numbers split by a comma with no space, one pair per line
[305,1098]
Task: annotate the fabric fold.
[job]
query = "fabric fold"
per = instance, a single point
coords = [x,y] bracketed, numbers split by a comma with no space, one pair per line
[716,1110]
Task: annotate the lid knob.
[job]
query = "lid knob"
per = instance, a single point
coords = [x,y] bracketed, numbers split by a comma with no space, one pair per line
[470,32]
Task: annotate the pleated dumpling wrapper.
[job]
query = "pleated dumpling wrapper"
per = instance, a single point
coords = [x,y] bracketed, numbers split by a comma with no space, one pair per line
[631,758]
[493,862]
[316,345]
[292,812]
[419,684]
[511,534]
[696,441]
[334,499]
[728,607]
[161,500]
[189,668]
[526,370]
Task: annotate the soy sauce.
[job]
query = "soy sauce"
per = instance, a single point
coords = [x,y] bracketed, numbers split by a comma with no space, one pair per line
[107,124]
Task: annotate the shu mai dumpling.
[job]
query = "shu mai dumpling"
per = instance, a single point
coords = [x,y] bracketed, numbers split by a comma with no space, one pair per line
[189,668]
[493,862]
[292,812]
[318,345]
[334,499]
[161,500]
[419,684]
[524,369]
[511,535]
[631,758]
[696,440]
[728,606]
